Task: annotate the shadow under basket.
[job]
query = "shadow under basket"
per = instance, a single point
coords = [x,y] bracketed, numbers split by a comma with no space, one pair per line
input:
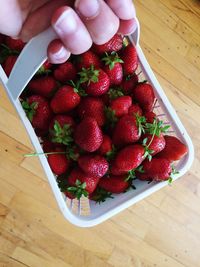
[86,213]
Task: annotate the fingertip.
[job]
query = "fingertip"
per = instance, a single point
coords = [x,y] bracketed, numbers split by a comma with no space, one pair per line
[127,26]
[57,53]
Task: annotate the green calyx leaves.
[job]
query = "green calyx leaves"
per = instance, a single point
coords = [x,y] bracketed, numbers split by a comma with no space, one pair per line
[30,109]
[62,135]
[110,116]
[77,88]
[79,189]
[5,52]
[100,195]
[111,154]
[112,59]
[115,93]
[132,173]
[89,75]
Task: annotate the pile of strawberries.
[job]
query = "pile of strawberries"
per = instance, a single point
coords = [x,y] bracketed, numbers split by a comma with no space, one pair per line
[96,120]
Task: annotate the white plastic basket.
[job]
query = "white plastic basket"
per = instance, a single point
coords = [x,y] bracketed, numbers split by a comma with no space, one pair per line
[85,213]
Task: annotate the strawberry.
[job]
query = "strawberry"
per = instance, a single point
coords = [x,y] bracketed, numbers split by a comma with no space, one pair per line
[121,105]
[9,63]
[144,95]
[88,59]
[13,44]
[94,165]
[114,44]
[88,135]
[152,143]
[156,169]
[80,183]
[129,158]
[92,107]
[44,86]
[129,83]
[2,38]
[65,72]
[106,146]
[95,81]
[174,149]
[38,111]
[114,184]
[130,58]
[135,109]
[61,128]
[45,68]
[65,99]
[126,131]
[150,116]
[58,163]
[47,146]
[113,68]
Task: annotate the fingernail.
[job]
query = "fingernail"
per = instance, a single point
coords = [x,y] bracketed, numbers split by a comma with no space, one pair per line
[88,8]
[61,53]
[66,23]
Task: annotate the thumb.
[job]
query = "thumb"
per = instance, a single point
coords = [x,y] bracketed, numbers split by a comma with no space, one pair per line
[10,18]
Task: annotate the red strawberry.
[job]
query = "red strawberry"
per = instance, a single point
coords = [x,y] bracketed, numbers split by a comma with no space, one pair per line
[144,95]
[150,116]
[44,86]
[154,144]
[2,38]
[92,107]
[93,164]
[88,135]
[65,99]
[80,183]
[121,105]
[58,163]
[126,131]
[69,195]
[45,68]
[47,146]
[114,184]
[129,158]
[38,111]
[61,128]
[114,44]
[65,72]
[174,149]
[95,81]
[129,83]
[106,146]
[130,58]
[87,59]
[156,169]
[13,44]
[9,63]
[135,109]
[113,68]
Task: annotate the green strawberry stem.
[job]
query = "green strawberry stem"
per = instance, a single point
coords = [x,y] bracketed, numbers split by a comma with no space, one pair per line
[62,135]
[78,190]
[43,153]
[5,52]
[77,88]
[132,173]
[112,59]
[100,195]
[89,75]
[115,93]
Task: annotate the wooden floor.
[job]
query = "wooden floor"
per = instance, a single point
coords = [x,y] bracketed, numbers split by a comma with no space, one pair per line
[160,231]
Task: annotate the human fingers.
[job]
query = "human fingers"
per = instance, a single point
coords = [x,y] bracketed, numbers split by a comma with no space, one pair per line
[40,18]
[99,19]
[71,30]
[57,53]
[10,18]
[127,26]
[125,9]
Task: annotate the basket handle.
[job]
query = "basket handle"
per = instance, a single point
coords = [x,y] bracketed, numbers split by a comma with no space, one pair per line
[33,56]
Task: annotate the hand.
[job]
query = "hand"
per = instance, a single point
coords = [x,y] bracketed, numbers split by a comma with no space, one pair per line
[77,23]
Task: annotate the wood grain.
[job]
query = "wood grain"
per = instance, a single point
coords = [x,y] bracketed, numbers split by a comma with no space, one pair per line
[160,231]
